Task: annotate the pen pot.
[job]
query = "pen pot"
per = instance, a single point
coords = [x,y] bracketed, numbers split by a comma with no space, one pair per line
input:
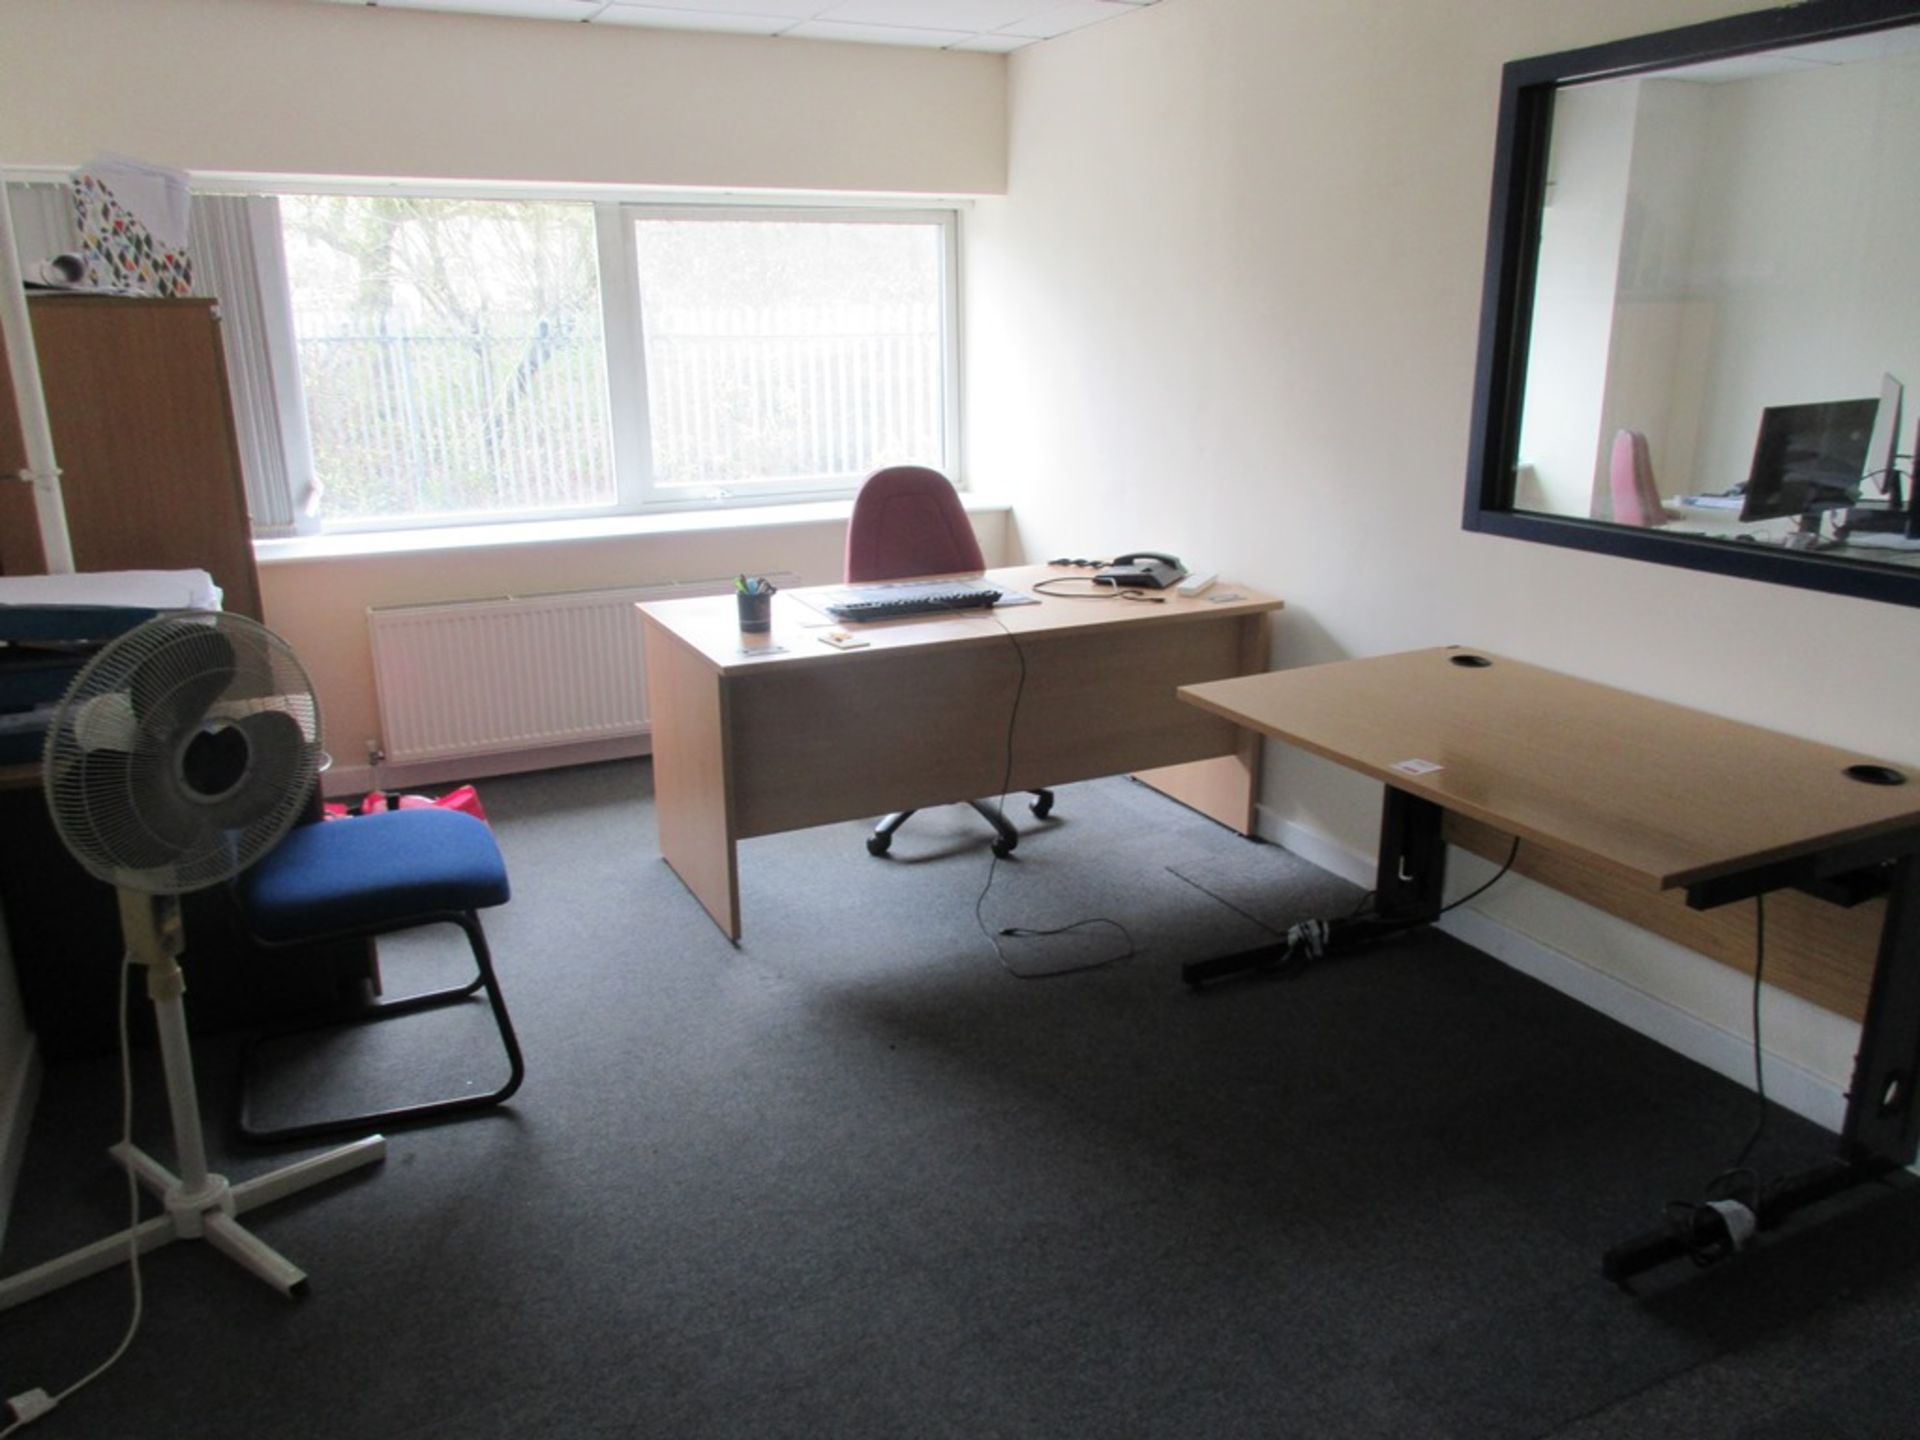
[756,611]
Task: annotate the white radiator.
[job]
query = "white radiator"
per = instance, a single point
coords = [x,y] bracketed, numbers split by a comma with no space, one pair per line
[483,677]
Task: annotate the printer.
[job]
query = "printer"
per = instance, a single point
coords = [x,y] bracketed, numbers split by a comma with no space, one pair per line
[51,625]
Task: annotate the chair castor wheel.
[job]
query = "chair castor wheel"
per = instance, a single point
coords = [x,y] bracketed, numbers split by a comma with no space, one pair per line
[879,844]
[1004,848]
[1042,805]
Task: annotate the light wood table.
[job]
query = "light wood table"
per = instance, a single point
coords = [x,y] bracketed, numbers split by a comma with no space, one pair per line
[1657,795]
[758,734]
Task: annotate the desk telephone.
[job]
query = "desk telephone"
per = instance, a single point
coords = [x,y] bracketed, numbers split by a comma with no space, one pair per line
[1144,570]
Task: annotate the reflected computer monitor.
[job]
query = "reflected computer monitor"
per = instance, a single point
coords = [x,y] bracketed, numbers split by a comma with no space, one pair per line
[1808,458]
[1880,474]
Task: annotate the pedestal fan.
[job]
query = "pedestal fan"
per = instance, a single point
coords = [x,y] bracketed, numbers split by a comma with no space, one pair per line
[180,755]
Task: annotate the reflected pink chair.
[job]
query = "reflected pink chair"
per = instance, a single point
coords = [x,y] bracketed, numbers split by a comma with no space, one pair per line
[908,521]
[1636,500]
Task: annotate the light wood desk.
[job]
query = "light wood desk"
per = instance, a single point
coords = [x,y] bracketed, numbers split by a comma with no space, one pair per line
[753,735]
[1656,795]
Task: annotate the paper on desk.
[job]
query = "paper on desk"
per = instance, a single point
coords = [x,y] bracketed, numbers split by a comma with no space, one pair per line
[147,589]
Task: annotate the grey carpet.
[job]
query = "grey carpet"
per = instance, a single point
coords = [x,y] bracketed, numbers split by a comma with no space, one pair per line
[853,1178]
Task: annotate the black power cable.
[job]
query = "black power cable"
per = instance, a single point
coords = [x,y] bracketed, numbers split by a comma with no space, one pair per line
[993,866]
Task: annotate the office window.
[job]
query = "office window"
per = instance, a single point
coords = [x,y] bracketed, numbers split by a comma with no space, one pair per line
[468,359]
[451,356]
[786,354]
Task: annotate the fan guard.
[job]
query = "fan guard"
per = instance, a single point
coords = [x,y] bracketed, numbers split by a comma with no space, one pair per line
[182,752]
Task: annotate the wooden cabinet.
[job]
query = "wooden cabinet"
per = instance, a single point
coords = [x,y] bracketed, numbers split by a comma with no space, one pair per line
[143,431]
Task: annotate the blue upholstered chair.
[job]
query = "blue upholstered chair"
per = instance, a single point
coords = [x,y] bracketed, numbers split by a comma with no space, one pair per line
[372,876]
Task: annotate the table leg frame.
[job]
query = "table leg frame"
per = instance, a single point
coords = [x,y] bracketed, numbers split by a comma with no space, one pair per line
[1881,1133]
[1410,878]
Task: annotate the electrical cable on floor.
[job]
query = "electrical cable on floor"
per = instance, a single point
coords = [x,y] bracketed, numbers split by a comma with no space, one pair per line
[1246,915]
[1728,1216]
[31,1405]
[1308,939]
[1019,931]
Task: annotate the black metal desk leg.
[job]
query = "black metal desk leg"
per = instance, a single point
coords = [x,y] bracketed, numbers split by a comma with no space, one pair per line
[1882,1130]
[1881,1119]
[1412,873]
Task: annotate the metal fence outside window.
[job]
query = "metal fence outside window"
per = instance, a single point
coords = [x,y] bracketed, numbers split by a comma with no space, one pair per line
[407,420]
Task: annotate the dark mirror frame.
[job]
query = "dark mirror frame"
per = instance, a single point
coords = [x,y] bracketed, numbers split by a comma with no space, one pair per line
[1506,314]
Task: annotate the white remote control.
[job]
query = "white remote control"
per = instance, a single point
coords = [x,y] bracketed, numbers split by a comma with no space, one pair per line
[1197,584]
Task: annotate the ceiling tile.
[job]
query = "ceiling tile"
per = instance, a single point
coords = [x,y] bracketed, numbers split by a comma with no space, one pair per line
[931,14]
[524,9]
[1057,17]
[998,44]
[659,17]
[784,9]
[990,26]
[877,34]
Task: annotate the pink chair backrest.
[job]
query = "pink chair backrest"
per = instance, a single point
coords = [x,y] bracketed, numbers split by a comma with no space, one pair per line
[908,520]
[1636,501]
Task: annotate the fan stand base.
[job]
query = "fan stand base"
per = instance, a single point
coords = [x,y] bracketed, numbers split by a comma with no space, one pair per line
[199,1204]
[207,1215]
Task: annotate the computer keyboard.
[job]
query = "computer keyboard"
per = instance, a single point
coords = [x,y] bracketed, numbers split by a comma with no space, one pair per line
[914,602]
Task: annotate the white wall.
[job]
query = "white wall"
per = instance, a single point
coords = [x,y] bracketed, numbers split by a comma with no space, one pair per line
[1820,170]
[1229,307]
[294,87]
[1573,295]
[1663,328]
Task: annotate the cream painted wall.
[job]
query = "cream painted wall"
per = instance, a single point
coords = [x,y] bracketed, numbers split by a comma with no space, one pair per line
[1228,307]
[1574,290]
[295,87]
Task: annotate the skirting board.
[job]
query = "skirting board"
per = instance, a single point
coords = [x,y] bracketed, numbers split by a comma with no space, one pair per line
[350,782]
[1788,1084]
[18,1093]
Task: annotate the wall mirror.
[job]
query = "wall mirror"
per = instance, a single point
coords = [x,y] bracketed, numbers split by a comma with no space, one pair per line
[1700,331]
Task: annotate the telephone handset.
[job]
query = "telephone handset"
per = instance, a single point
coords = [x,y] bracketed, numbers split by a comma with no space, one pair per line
[1143,570]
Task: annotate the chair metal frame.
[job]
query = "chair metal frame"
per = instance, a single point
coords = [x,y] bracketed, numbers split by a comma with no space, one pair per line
[484,978]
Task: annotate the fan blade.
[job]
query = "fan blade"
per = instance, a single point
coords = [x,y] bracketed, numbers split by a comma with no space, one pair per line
[131,820]
[180,679]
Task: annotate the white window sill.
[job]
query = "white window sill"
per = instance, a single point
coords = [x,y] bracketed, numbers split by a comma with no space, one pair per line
[343,545]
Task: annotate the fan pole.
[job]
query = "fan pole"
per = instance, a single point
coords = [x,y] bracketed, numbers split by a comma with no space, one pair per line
[199,1205]
[151,925]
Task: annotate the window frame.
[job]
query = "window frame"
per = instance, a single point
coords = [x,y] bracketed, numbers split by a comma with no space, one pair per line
[622,322]
[626,363]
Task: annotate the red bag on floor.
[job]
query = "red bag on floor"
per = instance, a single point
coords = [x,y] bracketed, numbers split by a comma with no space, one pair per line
[465,799]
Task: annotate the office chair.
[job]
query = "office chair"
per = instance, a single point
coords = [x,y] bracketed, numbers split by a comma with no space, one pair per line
[372,876]
[908,521]
[1636,500]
